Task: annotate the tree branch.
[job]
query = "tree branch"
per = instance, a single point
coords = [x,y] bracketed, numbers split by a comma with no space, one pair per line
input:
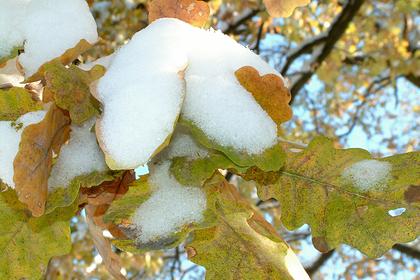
[319,262]
[325,42]
[407,250]
[249,14]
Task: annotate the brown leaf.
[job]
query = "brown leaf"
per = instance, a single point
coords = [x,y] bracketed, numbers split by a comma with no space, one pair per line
[110,259]
[100,198]
[33,162]
[192,11]
[283,8]
[269,91]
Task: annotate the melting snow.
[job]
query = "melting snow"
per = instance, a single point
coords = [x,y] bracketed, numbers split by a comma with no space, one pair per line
[368,174]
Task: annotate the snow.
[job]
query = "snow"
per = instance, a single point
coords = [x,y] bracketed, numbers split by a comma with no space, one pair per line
[12,13]
[9,143]
[80,156]
[170,206]
[368,174]
[142,93]
[51,27]
[183,145]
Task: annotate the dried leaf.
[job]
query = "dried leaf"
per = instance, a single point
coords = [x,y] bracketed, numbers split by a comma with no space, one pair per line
[66,195]
[283,8]
[99,199]
[15,102]
[269,91]
[69,87]
[192,11]
[110,259]
[33,162]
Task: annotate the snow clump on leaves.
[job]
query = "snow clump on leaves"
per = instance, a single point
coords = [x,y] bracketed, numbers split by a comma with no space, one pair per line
[171,205]
[80,156]
[144,89]
[45,28]
[50,29]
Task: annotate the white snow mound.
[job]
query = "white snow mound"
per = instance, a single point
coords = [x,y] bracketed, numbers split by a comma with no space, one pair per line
[170,206]
[9,143]
[368,174]
[142,93]
[80,156]
[183,145]
[51,27]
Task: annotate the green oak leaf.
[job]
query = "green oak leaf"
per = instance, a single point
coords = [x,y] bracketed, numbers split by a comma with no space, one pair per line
[69,87]
[15,102]
[313,189]
[271,159]
[242,244]
[64,196]
[27,243]
[194,172]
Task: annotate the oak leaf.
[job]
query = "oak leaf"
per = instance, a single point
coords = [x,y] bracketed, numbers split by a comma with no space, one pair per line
[33,162]
[15,102]
[348,197]
[111,260]
[64,196]
[242,244]
[27,243]
[69,88]
[269,91]
[272,159]
[283,8]
[192,11]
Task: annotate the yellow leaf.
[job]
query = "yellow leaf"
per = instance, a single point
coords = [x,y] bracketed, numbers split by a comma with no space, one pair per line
[283,8]
[15,102]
